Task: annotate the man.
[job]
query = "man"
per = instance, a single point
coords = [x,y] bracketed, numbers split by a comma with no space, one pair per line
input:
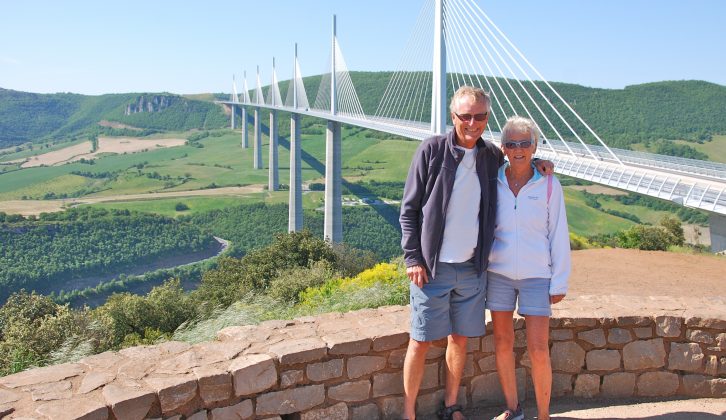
[447,222]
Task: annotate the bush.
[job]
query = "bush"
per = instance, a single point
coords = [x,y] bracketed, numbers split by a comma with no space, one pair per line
[647,238]
[289,283]
[181,207]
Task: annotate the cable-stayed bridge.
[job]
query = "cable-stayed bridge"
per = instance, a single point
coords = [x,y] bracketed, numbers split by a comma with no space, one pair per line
[455,43]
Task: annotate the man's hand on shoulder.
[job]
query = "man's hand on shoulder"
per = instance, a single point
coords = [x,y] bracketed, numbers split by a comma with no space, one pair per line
[544,167]
[417,275]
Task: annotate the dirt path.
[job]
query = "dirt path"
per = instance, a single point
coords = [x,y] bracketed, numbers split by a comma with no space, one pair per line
[35,207]
[645,273]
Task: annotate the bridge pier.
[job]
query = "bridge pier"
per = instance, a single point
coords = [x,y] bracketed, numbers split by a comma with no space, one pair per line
[231,119]
[257,145]
[295,214]
[244,128]
[273,183]
[333,225]
[717,229]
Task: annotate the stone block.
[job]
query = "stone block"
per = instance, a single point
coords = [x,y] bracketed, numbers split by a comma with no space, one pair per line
[618,385]
[174,391]
[351,391]
[595,337]
[643,332]
[290,378]
[435,352]
[603,360]
[7,397]
[520,339]
[696,386]
[253,373]
[50,392]
[390,341]
[561,335]
[347,343]
[85,408]
[722,366]
[721,341]
[668,326]
[657,384]
[711,365]
[567,356]
[127,402]
[43,375]
[486,387]
[561,384]
[633,321]
[686,356]
[619,336]
[701,322]
[242,411]
[325,370]
[388,384]
[430,376]
[488,364]
[699,336]
[301,350]
[289,401]
[519,322]
[365,412]
[473,344]
[94,380]
[199,415]
[578,322]
[392,408]
[214,384]
[335,412]
[396,358]
[487,343]
[587,385]
[644,354]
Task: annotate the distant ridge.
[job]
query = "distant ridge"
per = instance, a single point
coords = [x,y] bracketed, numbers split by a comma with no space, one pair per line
[689,110]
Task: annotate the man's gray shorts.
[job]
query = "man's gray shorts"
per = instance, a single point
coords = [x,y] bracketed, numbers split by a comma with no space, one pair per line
[452,302]
[532,296]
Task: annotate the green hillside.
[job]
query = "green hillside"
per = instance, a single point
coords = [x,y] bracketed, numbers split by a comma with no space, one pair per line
[32,117]
[673,110]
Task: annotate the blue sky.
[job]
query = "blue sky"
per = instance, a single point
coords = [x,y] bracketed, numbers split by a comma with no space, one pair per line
[95,47]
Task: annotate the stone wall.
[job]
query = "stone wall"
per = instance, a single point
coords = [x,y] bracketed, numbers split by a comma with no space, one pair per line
[348,366]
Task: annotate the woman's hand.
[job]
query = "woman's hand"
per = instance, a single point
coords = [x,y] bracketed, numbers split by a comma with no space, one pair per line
[556,298]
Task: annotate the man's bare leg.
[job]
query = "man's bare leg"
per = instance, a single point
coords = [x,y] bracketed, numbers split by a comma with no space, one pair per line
[413,369]
[455,361]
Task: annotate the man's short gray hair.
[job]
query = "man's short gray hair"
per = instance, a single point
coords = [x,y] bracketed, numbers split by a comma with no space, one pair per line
[521,125]
[477,93]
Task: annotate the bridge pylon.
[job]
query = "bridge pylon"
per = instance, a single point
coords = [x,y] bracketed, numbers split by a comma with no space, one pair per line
[333,223]
[273,183]
[295,213]
[257,145]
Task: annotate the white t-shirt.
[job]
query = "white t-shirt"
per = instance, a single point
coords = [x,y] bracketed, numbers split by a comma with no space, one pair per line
[461,230]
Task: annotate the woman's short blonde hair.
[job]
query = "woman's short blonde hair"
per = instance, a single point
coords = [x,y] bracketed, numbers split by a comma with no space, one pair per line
[517,124]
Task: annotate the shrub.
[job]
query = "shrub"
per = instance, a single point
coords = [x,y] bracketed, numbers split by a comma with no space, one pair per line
[289,283]
[181,207]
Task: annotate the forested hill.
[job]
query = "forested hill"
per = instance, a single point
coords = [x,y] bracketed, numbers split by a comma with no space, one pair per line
[671,110]
[41,117]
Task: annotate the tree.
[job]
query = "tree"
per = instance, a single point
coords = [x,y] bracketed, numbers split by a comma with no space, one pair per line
[674,228]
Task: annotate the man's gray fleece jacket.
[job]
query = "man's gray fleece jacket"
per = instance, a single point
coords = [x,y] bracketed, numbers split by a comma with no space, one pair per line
[426,198]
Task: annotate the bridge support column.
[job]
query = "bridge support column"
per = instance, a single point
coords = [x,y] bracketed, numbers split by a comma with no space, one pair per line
[333,225]
[717,229]
[257,146]
[273,182]
[245,135]
[231,119]
[295,214]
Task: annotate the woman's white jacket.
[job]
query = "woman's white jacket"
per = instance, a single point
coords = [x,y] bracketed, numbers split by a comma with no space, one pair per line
[531,239]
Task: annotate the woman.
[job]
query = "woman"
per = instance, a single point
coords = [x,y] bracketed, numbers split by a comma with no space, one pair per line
[529,263]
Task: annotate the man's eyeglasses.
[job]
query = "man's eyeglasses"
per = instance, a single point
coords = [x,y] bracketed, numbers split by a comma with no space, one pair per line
[524,144]
[468,117]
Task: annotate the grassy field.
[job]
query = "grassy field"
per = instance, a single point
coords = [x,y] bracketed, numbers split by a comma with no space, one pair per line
[222,162]
[715,149]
